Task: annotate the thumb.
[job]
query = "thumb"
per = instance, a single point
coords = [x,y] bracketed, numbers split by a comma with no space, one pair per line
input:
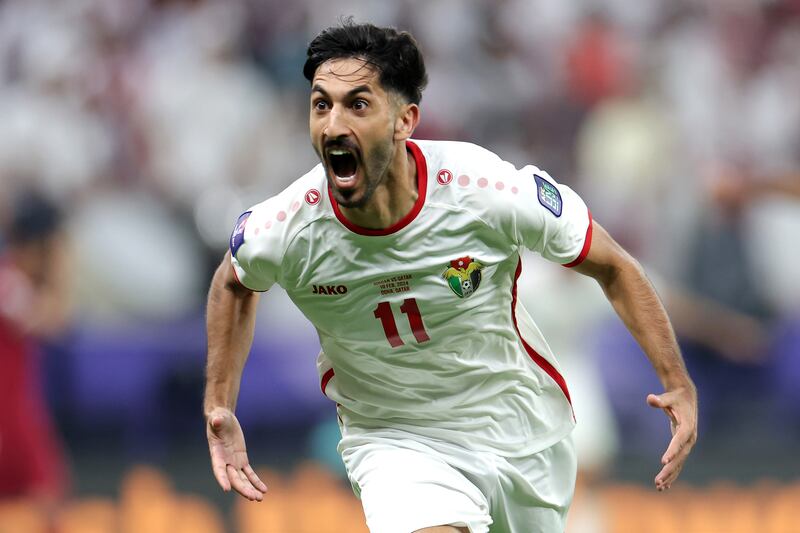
[656,401]
[217,422]
[664,401]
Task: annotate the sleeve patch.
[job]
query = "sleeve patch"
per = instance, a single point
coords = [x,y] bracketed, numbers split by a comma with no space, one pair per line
[237,237]
[548,195]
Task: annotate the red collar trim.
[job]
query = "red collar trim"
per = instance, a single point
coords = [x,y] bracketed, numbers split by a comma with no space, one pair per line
[422,187]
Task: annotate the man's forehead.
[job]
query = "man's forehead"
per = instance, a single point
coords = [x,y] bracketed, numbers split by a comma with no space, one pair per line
[351,71]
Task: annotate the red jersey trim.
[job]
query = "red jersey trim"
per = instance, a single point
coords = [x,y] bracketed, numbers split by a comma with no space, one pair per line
[326,377]
[587,243]
[422,187]
[543,363]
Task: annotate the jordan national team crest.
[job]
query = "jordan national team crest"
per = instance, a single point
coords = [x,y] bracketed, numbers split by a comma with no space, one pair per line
[463,276]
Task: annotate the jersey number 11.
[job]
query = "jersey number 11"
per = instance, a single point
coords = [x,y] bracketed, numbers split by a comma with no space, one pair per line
[409,308]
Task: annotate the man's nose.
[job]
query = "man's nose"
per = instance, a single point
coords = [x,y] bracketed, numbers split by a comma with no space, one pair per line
[337,125]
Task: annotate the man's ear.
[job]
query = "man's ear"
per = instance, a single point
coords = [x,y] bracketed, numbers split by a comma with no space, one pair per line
[406,121]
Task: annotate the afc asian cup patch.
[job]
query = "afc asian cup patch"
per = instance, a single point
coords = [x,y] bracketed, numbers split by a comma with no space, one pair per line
[237,237]
[463,276]
[548,195]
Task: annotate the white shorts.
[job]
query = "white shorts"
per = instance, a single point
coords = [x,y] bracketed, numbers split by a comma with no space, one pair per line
[408,484]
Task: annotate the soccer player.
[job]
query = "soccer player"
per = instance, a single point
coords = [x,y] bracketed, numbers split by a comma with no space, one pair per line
[404,254]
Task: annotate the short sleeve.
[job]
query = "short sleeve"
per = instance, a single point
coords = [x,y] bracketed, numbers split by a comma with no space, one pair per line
[255,253]
[545,216]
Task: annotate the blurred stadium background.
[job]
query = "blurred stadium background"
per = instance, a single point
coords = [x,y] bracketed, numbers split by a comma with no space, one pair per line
[133,133]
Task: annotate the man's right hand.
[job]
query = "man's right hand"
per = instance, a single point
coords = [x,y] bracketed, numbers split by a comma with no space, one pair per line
[229,455]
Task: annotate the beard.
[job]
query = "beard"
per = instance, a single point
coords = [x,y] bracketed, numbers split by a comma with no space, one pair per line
[374,169]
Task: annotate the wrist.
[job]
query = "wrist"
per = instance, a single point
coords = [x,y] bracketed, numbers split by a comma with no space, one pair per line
[683,383]
[210,410]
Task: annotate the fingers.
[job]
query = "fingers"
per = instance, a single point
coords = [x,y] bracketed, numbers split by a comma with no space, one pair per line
[673,460]
[244,481]
[669,474]
[681,408]
[221,475]
[254,479]
[219,467]
[676,446]
[242,485]
[229,461]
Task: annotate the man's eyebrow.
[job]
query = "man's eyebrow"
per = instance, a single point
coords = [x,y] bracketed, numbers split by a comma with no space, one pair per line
[352,92]
[359,89]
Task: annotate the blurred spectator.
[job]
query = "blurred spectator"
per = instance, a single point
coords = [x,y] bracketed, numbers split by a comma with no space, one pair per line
[48,133]
[597,68]
[34,304]
[770,208]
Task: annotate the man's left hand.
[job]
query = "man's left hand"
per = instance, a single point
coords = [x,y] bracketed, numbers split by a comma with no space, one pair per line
[681,408]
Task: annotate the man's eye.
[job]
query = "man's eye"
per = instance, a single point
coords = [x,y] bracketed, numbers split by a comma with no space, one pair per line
[320,105]
[360,105]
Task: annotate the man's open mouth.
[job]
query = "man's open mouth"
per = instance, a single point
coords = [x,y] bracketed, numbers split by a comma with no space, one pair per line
[343,164]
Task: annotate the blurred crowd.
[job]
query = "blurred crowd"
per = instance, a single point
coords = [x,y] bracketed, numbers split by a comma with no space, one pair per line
[149,125]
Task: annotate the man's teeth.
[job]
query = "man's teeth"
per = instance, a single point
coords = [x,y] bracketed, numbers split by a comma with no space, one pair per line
[339,152]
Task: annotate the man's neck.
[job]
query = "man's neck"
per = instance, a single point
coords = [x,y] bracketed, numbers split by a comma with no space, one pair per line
[393,199]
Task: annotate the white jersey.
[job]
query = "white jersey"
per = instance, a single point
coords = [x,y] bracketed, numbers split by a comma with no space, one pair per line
[419,323]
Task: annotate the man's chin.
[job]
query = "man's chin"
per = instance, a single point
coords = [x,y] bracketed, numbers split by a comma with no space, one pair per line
[349,199]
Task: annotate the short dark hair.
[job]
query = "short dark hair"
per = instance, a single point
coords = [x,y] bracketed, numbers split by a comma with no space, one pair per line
[395,55]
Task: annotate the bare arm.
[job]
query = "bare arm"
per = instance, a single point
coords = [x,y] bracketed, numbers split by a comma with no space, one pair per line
[230,322]
[637,304]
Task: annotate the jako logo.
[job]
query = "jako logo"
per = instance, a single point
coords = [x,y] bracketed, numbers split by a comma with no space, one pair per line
[328,289]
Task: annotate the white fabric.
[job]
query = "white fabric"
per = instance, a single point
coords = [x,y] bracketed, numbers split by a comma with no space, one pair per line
[464,376]
[406,484]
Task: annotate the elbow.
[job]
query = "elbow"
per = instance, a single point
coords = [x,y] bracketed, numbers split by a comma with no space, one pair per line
[624,266]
